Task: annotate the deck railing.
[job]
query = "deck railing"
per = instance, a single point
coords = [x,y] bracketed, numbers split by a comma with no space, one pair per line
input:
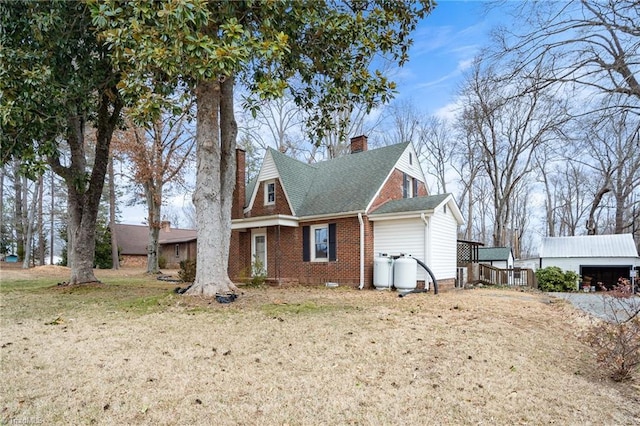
[507,277]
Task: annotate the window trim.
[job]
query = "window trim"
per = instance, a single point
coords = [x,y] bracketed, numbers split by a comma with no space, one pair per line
[312,242]
[267,184]
[254,234]
[308,243]
[408,186]
[177,250]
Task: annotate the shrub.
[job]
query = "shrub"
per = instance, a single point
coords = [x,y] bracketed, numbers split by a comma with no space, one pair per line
[616,341]
[256,275]
[187,272]
[553,278]
[162,262]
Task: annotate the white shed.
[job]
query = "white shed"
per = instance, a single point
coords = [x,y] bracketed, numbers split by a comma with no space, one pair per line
[596,258]
[499,257]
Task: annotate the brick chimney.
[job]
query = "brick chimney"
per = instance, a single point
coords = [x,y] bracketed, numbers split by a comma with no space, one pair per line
[358,144]
[165,226]
[239,192]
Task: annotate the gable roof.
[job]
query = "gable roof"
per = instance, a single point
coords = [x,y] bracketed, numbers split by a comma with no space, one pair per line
[343,184]
[394,208]
[486,254]
[133,239]
[429,202]
[618,245]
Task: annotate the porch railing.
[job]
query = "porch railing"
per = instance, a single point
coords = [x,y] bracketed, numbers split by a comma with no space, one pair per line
[507,277]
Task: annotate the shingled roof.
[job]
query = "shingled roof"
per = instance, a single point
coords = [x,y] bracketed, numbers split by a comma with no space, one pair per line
[132,239]
[486,254]
[411,204]
[344,184]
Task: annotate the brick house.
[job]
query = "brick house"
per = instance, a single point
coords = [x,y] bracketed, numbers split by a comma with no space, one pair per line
[325,222]
[175,244]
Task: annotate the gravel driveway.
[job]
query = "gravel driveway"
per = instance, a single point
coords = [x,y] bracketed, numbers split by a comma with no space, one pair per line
[602,306]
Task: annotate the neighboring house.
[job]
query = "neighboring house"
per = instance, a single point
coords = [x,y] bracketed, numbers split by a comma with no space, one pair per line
[596,258]
[175,244]
[325,222]
[498,257]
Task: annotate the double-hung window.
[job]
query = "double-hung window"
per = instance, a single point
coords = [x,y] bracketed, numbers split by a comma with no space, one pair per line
[270,192]
[319,243]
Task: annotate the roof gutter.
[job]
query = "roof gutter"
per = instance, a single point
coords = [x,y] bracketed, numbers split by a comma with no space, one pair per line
[361,251]
[328,216]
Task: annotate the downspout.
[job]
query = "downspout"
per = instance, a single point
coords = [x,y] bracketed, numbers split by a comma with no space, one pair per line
[427,254]
[361,251]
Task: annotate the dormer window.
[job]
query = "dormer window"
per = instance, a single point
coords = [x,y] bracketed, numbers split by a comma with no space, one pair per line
[270,192]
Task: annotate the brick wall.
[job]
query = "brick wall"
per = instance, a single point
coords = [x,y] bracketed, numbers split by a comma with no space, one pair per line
[284,254]
[392,190]
[281,205]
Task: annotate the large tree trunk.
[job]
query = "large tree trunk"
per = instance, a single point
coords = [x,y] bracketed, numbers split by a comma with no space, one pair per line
[154,202]
[115,259]
[84,197]
[214,187]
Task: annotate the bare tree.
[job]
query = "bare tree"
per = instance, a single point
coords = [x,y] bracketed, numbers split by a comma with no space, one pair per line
[158,154]
[278,124]
[508,121]
[436,148]
[613,142]
[587,44]
[467,165]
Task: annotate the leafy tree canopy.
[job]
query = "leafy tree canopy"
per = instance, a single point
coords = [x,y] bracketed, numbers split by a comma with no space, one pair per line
[50,68]
[327,46]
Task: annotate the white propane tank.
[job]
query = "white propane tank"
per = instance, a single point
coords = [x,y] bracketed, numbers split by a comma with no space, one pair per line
[383,272]
[405,274]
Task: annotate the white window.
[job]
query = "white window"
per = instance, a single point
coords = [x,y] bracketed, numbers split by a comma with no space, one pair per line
[320,243]
[270,192]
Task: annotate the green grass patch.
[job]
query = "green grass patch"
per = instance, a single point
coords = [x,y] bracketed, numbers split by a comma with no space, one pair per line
[43,298]
[304,308]
[148,304]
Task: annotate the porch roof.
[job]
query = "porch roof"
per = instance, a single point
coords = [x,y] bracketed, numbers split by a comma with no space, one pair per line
[264,221]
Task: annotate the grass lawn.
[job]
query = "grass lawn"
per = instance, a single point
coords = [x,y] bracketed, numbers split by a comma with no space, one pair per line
[133,352]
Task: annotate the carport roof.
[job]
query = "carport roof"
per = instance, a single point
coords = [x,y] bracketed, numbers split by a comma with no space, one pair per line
[619,245]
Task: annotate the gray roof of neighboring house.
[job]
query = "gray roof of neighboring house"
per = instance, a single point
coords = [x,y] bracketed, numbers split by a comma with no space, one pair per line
[132,239]
[618,245]
[486,254]
[429,202]
[344,184]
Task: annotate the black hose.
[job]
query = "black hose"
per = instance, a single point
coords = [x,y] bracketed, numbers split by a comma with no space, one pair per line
[424,290]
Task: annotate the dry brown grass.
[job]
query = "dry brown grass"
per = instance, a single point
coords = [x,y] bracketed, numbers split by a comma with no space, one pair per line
[131,352]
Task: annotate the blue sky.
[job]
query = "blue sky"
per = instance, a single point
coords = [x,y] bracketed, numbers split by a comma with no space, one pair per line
[445,44]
